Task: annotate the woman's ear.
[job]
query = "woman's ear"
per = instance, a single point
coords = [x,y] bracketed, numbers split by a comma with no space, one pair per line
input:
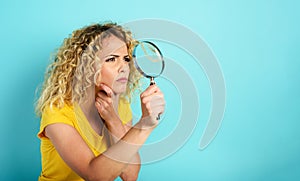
[97,78]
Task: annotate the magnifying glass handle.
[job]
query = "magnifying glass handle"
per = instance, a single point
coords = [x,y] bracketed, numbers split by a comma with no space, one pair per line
[152,82]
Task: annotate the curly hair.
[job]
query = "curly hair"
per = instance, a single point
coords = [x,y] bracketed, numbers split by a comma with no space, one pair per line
[72,71]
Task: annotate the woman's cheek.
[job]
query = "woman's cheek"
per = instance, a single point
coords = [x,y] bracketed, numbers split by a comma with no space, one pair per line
[107,77]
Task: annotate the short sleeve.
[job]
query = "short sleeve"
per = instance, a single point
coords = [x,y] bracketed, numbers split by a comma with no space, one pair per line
[124,111]
[55,115]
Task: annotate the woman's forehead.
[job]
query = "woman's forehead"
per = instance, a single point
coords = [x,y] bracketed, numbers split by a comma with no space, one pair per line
[112,45]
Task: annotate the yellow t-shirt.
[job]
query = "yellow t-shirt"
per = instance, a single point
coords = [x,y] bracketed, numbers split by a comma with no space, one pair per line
[53,167]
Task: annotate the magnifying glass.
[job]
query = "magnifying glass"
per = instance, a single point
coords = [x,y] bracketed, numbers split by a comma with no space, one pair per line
[148,60]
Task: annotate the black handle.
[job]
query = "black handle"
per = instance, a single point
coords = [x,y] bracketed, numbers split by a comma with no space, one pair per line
[152,82]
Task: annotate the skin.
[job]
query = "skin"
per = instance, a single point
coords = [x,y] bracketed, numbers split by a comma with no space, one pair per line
[73,149]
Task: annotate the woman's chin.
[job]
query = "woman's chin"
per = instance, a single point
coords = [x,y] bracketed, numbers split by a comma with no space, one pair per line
[119,90]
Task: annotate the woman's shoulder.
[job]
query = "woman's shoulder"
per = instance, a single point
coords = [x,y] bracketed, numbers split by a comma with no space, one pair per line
[54,114]
[55,111]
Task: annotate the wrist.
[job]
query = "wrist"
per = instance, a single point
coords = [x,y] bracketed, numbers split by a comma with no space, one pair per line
[112,121]
[115,127]
[147,123]
[113,124]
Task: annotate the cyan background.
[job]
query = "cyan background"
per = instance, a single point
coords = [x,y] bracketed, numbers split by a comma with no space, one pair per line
[257,45]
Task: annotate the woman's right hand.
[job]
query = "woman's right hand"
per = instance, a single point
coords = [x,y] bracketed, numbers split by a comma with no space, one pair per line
[153,105]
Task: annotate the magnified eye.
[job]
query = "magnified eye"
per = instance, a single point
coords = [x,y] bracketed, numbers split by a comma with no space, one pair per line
[112,59]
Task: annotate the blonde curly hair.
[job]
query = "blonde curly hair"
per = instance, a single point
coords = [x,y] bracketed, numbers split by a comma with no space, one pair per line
[73,69]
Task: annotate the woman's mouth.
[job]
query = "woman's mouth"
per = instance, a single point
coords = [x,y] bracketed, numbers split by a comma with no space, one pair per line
[122,80]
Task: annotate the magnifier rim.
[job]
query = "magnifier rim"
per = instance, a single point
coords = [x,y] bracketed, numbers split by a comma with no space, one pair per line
[139,68]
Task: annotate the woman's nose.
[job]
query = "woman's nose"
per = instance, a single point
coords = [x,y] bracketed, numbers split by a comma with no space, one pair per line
[123,66]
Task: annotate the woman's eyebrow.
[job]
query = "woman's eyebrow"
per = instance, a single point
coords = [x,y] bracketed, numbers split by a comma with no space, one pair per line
[114,55]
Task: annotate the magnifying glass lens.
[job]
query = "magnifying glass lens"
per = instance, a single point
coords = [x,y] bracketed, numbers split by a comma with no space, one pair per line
[148,59]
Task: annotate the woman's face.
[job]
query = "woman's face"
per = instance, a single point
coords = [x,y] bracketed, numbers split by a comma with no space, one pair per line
[115,64]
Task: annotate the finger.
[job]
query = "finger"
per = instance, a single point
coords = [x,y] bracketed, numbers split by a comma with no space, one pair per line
[150,90]
[106,89]
[98,106]
[154,106]
[104,103]
[104,97]
[158,110]
[102,94]
[156,97]
[157,105]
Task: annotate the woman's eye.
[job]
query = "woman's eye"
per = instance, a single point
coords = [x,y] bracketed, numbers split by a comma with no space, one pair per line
[112,59]
[127,59]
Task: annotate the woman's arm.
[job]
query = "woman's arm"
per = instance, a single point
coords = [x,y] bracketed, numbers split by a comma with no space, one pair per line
[111,163]
[104,104]
[108,165]
[131,171]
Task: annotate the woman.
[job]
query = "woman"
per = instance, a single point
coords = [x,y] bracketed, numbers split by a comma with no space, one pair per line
[86,131]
